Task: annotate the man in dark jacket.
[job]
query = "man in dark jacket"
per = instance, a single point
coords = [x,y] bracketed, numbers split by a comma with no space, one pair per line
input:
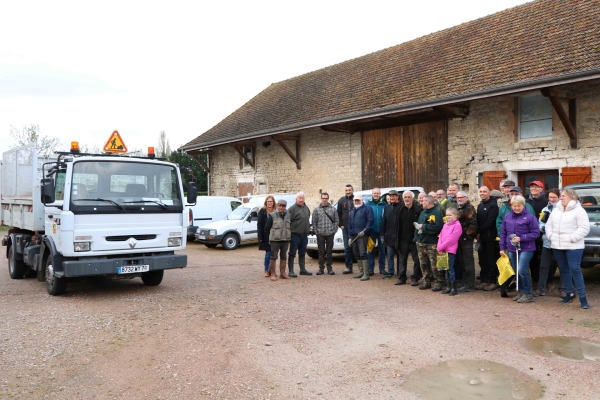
[344,205]
[300,227]
[389,231]
[377,204]
[406,215]
[467,216]
[429,225]
[537,200]
[360,223]
[487,211]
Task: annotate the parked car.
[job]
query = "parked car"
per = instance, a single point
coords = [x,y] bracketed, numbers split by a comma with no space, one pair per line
[589,196]
[240,225]
[338,240]
[209,209]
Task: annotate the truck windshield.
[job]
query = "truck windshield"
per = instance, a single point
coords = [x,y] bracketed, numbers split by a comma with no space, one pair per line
[103,186]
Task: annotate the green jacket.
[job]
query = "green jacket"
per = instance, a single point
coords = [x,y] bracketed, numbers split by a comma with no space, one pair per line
[279,227]
[300,217]
[448,204]
[505,209]
[430,230]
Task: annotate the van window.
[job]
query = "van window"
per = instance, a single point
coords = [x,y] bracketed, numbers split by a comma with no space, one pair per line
[235,204]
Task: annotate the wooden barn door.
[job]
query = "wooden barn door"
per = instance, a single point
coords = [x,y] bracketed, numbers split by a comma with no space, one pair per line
[425,155]
[382,158]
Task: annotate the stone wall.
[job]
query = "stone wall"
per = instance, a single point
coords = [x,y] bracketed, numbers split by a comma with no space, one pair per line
[485,141]
[328,162]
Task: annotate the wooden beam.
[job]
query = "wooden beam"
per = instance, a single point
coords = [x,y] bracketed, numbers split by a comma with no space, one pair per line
[196,154]
[453,111]
[562,115]
[241,151]
[294,157]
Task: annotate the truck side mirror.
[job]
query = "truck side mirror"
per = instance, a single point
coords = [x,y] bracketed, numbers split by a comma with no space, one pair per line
[192,193]
[48,191]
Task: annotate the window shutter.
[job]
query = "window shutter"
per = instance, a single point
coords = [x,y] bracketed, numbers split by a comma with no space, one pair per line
[492,179]
[571,175]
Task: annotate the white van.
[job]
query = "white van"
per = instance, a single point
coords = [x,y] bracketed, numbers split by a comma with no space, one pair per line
[209,209]
[240,226]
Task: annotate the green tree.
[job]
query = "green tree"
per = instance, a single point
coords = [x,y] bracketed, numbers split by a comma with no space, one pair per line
[186,161]
[32,134]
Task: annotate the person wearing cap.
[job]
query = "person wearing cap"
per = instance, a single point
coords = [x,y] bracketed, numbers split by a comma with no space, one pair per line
[428,227]
[537,200]
[407,215]
[325,221]
[300,227]
[496,194]
[487,211]
[280,234]
[389,231]
[360,223]
[377,203]
[505,186]
[505,208]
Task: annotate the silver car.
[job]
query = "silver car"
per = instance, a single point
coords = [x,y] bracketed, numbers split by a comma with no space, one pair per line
[589,196]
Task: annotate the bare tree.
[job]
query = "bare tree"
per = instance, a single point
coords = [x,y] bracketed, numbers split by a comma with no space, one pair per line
[32,134]
[163,150]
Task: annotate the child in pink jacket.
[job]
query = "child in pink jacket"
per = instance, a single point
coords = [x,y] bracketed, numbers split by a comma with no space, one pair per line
[448,243]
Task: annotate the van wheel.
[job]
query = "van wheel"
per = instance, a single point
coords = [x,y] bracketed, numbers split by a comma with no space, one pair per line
[54,285]
[16,268]
[313,254]
[153,278]
[210,245]
[230,242]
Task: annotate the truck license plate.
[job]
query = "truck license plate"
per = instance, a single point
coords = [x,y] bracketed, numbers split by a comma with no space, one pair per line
[201,237]
[132,269]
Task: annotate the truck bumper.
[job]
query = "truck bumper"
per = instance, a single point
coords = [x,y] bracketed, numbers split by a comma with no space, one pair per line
[111,266]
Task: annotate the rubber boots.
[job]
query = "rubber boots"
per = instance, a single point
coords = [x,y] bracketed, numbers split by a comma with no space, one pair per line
[272,270]
[282,274]
[454,288]
[360,269]
[291,267]
[365,268]
[448,287]
[302,263]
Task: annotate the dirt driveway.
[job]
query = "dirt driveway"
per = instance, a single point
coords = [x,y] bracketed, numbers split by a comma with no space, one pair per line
[219,329]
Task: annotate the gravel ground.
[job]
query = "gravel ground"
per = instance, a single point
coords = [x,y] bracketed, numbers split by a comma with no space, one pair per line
[220,329]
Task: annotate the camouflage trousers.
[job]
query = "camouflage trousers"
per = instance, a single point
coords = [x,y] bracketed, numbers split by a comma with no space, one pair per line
[428,260]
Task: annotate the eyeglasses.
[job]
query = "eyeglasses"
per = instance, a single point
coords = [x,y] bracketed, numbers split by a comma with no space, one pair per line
[462,197]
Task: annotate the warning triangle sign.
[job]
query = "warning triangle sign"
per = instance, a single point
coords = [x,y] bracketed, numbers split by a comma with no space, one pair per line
[115,144]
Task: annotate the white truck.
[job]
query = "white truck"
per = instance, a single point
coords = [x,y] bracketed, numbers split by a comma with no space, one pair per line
[83,215]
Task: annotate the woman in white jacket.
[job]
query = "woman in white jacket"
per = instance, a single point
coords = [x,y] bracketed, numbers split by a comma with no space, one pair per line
[566,228]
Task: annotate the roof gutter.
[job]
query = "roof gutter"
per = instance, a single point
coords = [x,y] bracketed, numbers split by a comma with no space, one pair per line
[492,92]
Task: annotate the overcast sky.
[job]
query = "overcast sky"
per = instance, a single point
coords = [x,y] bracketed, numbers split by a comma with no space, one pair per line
[82,69]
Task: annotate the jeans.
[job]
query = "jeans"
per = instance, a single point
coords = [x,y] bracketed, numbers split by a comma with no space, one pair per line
[451,272]
[325,245]
[347,249]
[569,263]
[298,242]
[390,251]
[523,268]
[371,255]
[267,259]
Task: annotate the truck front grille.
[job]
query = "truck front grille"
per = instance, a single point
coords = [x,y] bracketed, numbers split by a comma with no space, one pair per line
[126,237]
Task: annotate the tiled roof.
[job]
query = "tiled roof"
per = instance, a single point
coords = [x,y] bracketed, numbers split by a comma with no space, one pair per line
[542,39]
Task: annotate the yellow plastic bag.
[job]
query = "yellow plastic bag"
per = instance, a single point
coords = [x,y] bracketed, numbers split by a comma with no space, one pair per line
[370,245]
[506,270]
[442,262]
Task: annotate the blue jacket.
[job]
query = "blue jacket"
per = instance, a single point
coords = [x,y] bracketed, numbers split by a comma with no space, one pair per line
[359,219]
[377,207]
[524,225]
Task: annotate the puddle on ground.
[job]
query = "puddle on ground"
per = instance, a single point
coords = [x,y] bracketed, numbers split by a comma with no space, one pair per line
[565,348]
[472,379]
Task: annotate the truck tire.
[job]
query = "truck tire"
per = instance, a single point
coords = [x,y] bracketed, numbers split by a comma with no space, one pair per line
[54,285]
[230,241]
[153,278]
[210,245]
[16,268]
[313,254]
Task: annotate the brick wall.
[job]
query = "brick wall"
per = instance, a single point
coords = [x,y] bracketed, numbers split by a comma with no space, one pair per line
[485,141]
[328,161]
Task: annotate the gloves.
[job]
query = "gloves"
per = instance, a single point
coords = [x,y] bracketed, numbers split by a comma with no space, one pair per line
[361,234]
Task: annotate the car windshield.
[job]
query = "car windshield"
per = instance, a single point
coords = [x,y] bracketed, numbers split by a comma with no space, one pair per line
[589,196]
[238,214]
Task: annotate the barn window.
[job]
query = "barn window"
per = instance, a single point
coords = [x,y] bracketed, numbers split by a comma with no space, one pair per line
[249,153]
[535,117]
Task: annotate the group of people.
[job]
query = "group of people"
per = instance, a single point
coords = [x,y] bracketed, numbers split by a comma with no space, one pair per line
[533,233]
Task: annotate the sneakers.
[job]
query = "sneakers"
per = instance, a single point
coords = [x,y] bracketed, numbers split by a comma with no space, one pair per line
[518,296]
[562,292]
[538,292]
[481,286]
[526,298]
[387,276]
[491,286]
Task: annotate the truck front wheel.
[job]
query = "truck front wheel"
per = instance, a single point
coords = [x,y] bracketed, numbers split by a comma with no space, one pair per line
[16,268]
[54,285]
[153,278]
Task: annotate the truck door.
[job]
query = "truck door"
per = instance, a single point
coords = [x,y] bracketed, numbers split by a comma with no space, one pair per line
[249,229]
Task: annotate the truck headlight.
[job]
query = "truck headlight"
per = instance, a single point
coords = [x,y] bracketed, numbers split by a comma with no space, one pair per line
[82,246]
[174,242]
[212,232]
